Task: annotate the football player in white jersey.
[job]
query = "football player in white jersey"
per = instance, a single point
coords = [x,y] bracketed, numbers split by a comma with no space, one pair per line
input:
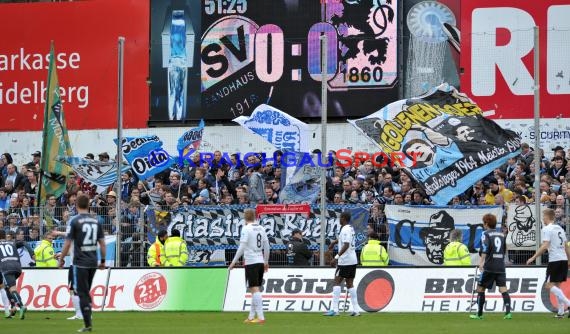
[346,267]
[554,240]
[254,246]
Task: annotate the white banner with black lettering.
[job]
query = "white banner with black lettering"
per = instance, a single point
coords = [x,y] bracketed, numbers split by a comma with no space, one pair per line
[390,289]
[552,132]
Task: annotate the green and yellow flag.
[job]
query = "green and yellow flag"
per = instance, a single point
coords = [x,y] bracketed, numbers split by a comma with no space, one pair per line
[55,139]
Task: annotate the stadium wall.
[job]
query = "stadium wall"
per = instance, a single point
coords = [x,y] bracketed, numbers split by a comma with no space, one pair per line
[286,290]
[553,132]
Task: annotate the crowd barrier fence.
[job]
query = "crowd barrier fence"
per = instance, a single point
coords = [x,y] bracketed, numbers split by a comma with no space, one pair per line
[212,232]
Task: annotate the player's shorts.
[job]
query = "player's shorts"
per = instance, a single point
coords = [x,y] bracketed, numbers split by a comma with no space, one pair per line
[70,282]
[254,274]
[346,271]
[487,279]
[82,280]
[557,271]
[9,278]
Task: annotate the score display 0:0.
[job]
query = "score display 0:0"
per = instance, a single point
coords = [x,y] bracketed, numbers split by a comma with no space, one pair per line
[271,37]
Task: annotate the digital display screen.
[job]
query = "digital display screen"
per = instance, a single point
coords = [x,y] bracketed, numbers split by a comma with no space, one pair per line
[258,51]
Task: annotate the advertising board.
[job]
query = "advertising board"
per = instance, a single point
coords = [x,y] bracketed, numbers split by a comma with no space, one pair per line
[390,289]
[497,56]
[85,35]
[130,289]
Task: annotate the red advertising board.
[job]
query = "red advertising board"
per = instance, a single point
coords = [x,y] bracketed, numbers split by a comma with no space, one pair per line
[86,35]
[497,50]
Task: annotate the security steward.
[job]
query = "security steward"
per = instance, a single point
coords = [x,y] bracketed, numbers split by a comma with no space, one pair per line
[155,255]
[175,250]
[456,253]
[44,253]
[373,254]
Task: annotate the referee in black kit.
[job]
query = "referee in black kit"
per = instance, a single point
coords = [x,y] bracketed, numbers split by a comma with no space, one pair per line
[85,233]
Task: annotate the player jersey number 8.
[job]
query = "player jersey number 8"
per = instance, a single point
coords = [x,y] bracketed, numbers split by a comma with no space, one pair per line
[254,236]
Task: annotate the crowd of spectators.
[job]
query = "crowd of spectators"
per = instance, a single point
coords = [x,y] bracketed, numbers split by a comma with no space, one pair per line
[214,180]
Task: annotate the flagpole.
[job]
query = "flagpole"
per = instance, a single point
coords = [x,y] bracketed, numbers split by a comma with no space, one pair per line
[119,149]
[154,204]
[324,73]
[179,185]
[537,156]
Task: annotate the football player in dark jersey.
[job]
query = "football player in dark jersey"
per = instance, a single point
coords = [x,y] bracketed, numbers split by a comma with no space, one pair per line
[492,266]
[85,233]
[10,269]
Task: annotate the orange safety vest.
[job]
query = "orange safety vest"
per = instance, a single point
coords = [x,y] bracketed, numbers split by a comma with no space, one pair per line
[157,248]
[154,254]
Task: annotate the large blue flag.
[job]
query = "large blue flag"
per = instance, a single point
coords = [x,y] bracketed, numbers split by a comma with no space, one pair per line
[136,146]
[146,155]
[443,140]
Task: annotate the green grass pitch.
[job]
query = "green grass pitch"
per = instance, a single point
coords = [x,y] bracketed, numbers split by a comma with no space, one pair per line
[313,323]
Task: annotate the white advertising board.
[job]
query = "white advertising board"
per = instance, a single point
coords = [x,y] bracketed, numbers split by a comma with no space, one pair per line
[390,290]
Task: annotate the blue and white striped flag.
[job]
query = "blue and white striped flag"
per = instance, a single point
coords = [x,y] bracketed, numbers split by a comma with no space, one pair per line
[301,183]
[102,174]
[284,132]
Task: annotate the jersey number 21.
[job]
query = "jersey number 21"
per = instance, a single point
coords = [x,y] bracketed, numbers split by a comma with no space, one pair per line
[90,234]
